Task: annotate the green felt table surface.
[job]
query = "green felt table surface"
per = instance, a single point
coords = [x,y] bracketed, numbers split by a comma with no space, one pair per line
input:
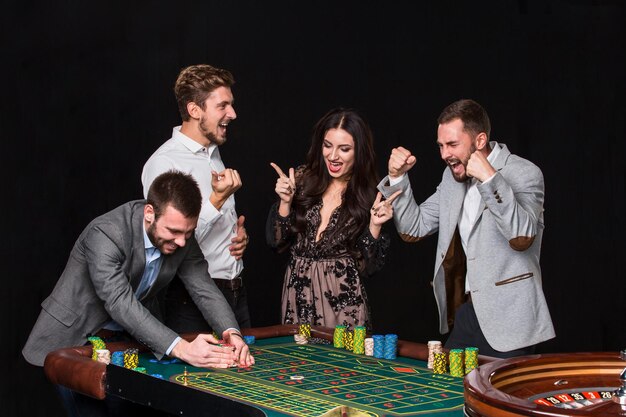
[313,379]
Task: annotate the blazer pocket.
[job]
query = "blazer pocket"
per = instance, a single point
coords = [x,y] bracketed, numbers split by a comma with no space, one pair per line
[63,314]
[515,279]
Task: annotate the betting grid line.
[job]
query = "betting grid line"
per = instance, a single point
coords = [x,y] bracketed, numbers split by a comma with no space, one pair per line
[278,399]
[393,394]
[364,389]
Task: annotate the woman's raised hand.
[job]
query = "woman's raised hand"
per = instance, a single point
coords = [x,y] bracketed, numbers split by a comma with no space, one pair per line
[285,185]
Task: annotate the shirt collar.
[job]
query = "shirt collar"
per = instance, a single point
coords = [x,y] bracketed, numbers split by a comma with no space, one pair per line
[147,243]
[495,150]
[191,144]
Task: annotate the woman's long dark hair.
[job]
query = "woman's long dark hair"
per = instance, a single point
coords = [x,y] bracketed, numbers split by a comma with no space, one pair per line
[361,190]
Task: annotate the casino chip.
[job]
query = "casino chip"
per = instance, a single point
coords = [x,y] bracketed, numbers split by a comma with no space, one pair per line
[319,341]
[98,344]
[296,377]
[300,339]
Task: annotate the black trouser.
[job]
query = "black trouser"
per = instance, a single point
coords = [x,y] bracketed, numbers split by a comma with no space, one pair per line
[182,315]
[467,332]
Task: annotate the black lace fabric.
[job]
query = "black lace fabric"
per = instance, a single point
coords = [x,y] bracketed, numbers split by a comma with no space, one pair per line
[323,282]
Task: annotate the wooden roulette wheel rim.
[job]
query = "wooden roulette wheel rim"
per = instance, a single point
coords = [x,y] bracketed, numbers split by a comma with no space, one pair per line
[503,388]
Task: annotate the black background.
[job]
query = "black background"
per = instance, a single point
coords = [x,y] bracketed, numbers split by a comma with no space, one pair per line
[87,97]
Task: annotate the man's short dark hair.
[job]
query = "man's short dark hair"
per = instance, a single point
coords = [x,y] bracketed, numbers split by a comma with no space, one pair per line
[176,189]
[474,117]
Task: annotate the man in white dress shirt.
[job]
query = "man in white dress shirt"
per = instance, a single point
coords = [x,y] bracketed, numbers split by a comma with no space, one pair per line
[205,102]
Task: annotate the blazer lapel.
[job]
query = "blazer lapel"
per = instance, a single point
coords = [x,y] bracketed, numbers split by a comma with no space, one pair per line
[138,251]
[166,273]
[456,204]
[498,164]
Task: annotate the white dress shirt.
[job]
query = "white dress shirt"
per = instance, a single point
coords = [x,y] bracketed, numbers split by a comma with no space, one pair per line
[215,228]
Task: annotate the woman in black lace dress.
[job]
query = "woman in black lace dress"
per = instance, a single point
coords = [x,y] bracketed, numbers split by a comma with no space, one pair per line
[330,216]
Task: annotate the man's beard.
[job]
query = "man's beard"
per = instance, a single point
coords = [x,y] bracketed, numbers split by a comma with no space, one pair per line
[463,177]
[210,136]
[158,242]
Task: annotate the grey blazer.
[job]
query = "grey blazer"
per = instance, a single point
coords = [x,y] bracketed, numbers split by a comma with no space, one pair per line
[98,284]
[502,259]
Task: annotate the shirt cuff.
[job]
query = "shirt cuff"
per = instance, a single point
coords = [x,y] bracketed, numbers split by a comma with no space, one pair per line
[490,178]
[169,349]
[394,181]
[235,329]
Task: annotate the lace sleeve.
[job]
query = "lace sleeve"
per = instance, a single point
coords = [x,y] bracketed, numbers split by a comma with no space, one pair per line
[278,230]
[373,251]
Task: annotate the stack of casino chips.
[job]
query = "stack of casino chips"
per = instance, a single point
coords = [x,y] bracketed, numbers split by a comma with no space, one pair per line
[434,346]
[140,369]
[300,339]
[131,358]
[97,344]
[104,356]
[117,358]
[471,359]
[369,346]
[359,340]
[456,362]
[319,341]
[379,345]
[305,330]
[439,363]
[348,340]
[338,336]
[391,346]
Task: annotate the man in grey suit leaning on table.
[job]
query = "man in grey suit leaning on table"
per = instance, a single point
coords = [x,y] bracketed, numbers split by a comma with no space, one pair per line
[488,211]
[117,267]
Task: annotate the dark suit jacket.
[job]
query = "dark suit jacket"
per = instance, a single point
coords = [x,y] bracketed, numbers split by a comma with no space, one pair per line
[99,283]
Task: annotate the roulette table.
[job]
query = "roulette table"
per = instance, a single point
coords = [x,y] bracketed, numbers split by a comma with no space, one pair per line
[319,380]
[314,379]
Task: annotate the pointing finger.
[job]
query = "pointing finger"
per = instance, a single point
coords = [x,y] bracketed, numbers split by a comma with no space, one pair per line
[379,196]
[292,176]
[278,170]
[393,196]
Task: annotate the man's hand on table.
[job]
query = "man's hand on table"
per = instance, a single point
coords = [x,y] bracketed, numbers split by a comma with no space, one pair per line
[204,352]
[242,352]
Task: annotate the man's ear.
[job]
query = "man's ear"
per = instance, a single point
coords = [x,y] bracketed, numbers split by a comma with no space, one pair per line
[481,141]
[148,213]
[194,110]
